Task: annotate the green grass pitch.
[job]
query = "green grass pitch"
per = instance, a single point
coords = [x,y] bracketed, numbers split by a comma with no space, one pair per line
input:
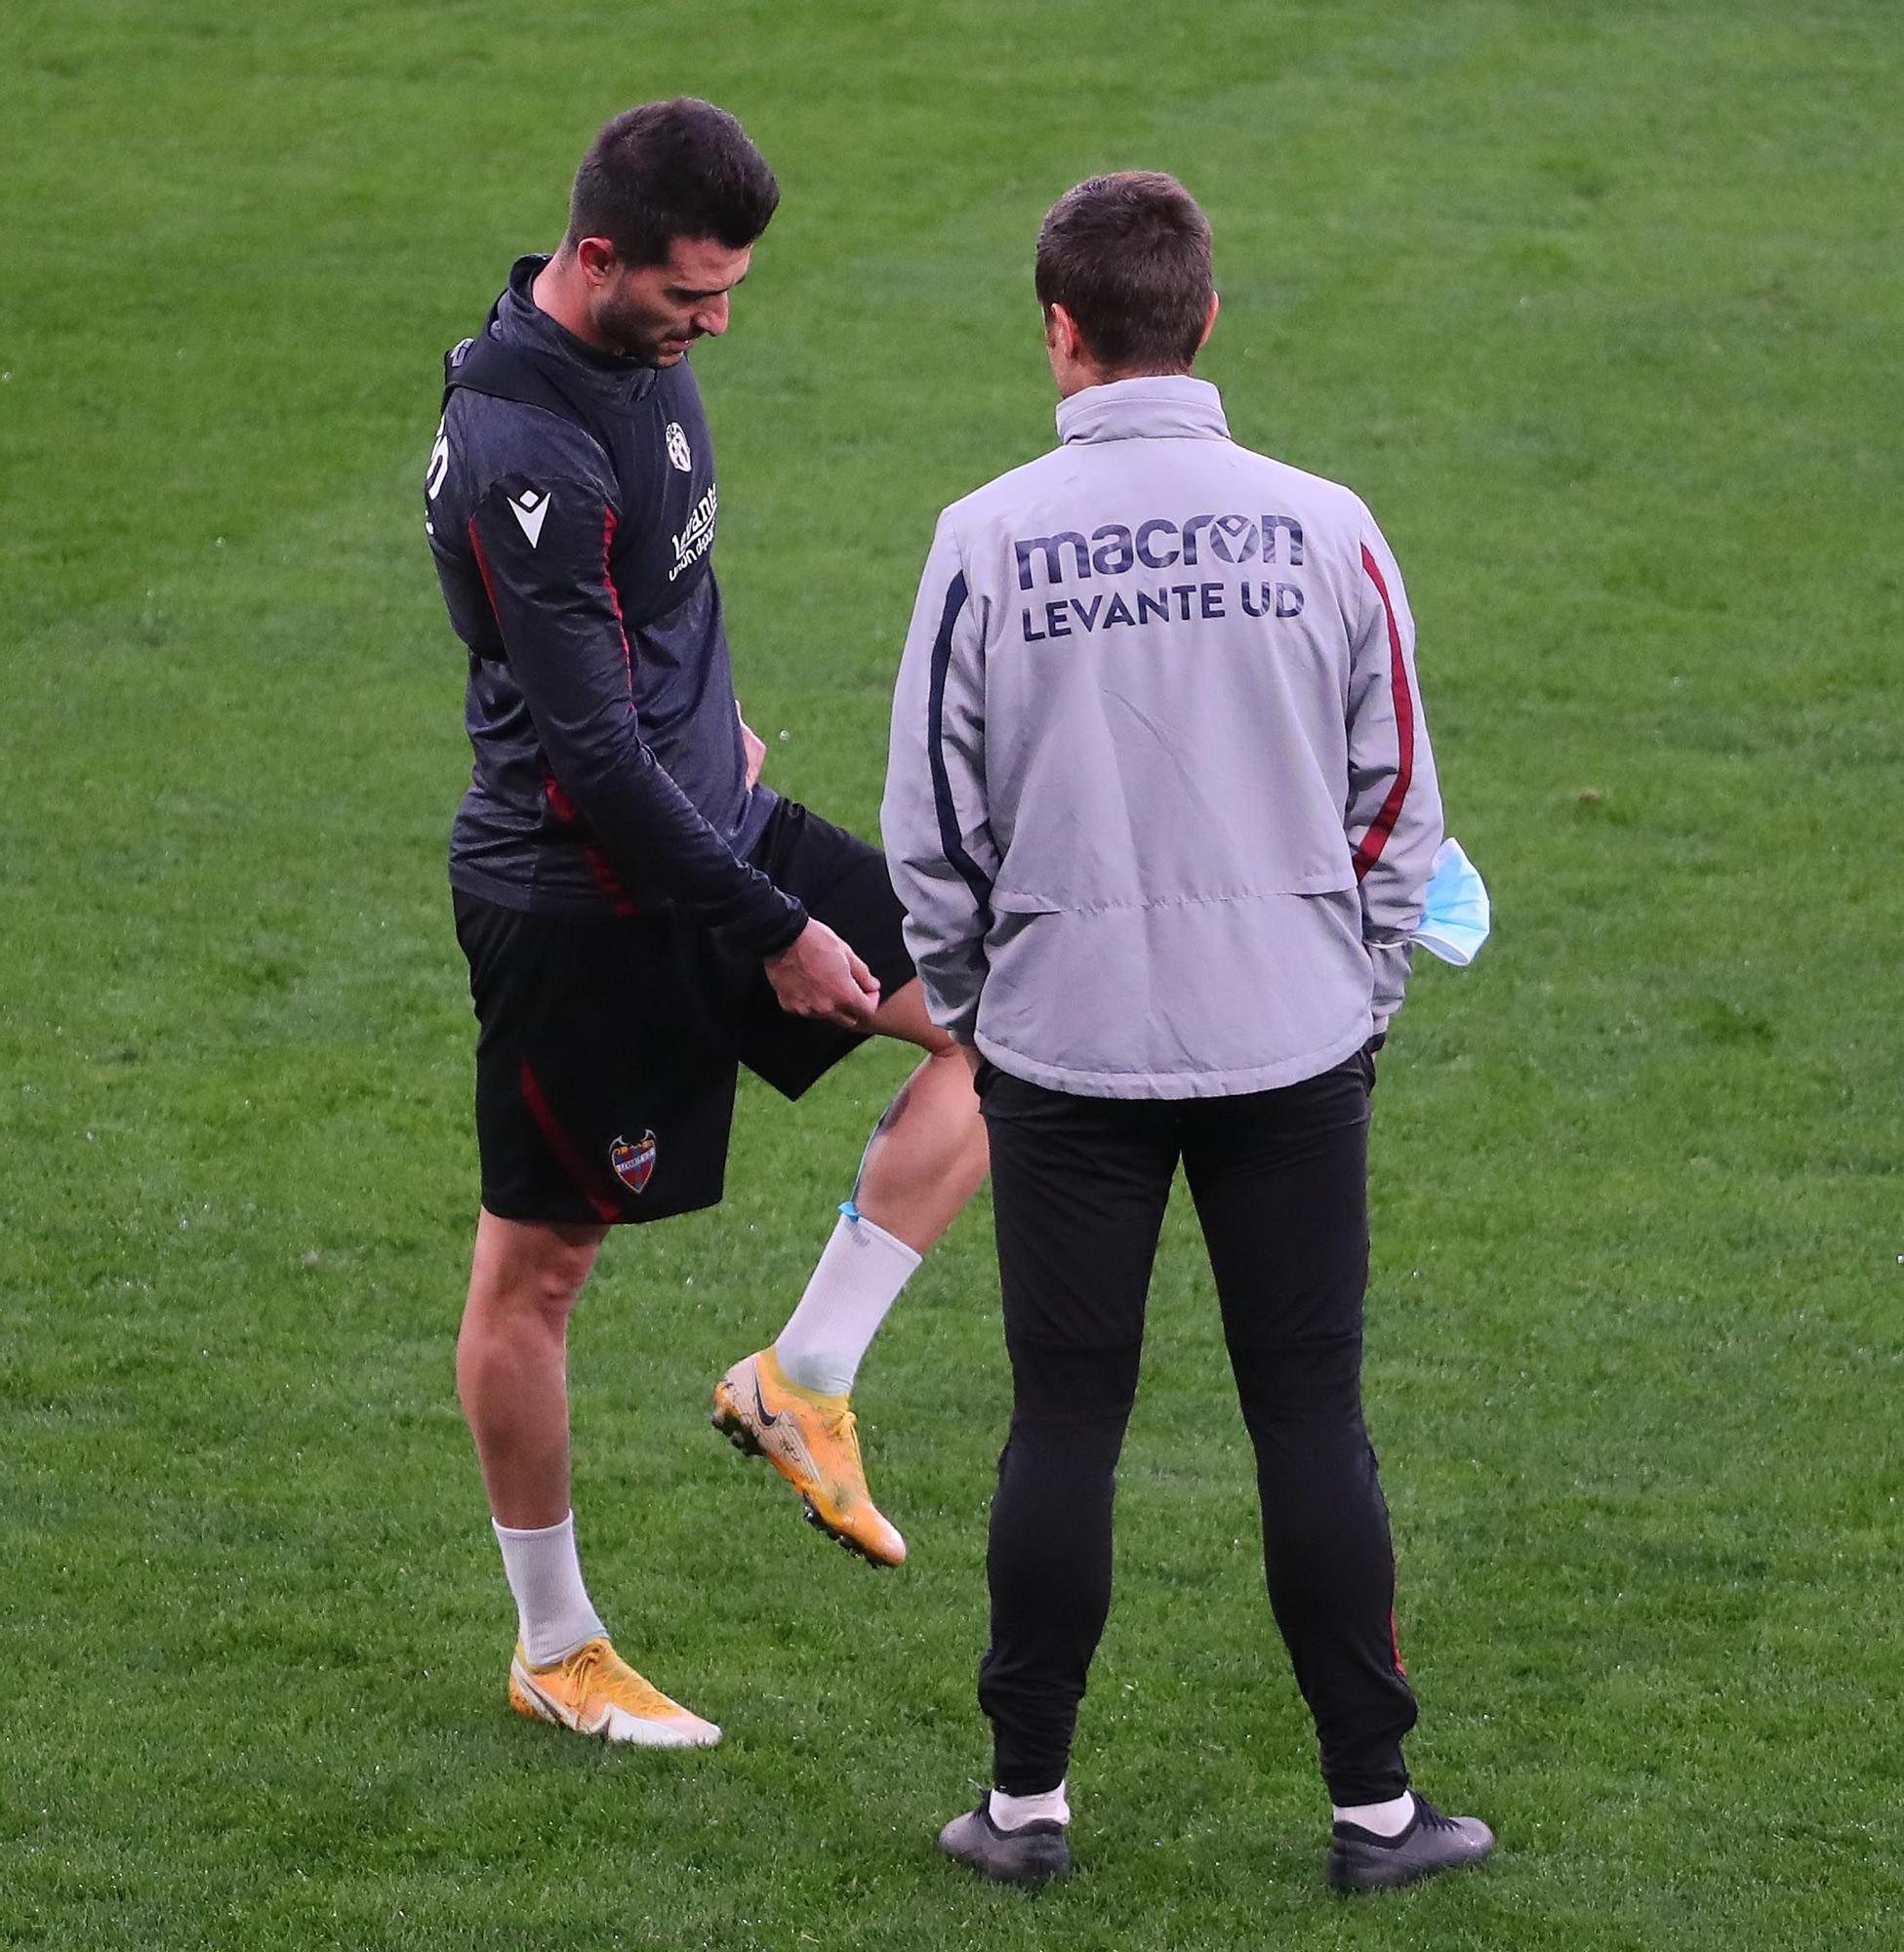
[1597,304]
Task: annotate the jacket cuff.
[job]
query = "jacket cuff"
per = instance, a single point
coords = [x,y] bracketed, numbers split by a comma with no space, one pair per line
[775,931]
[960,1019]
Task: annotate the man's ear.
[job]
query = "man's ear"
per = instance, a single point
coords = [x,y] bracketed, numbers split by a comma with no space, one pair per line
[1061,335]
[596,257]
[1209,324]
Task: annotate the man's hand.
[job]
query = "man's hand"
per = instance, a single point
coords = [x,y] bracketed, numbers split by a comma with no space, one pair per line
[754,745]
[1365,1057]
[817,975]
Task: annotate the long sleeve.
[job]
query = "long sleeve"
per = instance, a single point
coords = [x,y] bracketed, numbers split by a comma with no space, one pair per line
[1394,815]
[934,819]
[543,552]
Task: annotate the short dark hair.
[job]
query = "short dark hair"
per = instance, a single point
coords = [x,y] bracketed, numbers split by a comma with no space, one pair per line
[1128,256]
[668,170]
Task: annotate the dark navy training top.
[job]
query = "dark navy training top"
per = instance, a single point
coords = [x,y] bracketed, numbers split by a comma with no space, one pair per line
[574,547]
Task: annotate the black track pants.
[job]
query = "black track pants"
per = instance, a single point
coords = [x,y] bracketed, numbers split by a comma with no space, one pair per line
[1280,1179]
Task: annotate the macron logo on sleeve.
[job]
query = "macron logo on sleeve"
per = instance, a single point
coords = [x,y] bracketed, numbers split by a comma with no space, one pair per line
[528,509]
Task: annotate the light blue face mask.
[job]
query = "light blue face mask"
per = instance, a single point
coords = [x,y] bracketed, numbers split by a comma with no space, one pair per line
[1458,915]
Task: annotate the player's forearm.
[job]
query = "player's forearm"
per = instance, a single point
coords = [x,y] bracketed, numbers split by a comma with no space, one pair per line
[657,837]
[559,616]
[571,662]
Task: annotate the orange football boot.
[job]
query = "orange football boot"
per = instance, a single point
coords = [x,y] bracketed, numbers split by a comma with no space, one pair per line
[595,1691]
[811,1441]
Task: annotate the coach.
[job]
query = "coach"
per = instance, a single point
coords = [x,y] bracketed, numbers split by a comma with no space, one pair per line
[1161,808]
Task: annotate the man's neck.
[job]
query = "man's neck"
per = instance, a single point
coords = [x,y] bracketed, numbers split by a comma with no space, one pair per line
[1079,378]
[557,291]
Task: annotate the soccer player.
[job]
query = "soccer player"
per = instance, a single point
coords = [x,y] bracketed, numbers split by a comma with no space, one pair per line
[1157,744]
[639,913]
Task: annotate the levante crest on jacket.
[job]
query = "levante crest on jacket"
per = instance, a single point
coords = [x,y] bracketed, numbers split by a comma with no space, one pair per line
[634,1163]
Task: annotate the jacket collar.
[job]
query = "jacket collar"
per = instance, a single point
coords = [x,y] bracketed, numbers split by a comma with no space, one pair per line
[1165,406]
[520,321]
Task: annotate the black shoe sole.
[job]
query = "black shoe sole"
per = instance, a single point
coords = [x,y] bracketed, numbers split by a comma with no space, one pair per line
[1029,1877]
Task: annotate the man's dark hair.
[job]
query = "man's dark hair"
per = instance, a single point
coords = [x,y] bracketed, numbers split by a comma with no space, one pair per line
[668,170]
[1128,256]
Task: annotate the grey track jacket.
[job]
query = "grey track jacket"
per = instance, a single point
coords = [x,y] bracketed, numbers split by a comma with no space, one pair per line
[1160,804]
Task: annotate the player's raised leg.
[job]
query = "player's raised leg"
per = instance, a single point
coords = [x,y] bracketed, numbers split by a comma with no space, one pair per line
[791,1403]
[511,1374]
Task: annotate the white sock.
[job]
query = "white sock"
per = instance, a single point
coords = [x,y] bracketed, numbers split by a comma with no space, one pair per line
[552,1605]
[1013,1813]
[1379,1819]
[857,1279]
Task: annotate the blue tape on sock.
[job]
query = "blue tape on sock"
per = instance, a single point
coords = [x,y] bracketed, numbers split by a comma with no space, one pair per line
[851,1211]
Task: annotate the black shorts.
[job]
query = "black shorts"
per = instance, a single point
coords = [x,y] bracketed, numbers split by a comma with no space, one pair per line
[608,1048]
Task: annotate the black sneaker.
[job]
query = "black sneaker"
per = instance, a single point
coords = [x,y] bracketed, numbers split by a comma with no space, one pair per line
[1035,1853]
[1361,1860]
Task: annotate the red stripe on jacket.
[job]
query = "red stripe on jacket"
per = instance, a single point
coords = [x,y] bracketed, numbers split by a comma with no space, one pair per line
[1368,850]
[614,594]
[482,569]
[564,808]
[600,865]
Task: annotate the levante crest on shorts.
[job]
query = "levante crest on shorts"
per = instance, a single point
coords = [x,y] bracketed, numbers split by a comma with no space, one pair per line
[634,1163]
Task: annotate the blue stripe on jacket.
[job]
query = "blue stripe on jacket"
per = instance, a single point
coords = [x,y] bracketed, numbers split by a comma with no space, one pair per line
[949,834]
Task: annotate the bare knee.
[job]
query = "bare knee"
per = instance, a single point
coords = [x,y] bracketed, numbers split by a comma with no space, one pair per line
[953,1066]
[552,1289]
[529,1271]
[935,1120]
[959,1064]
